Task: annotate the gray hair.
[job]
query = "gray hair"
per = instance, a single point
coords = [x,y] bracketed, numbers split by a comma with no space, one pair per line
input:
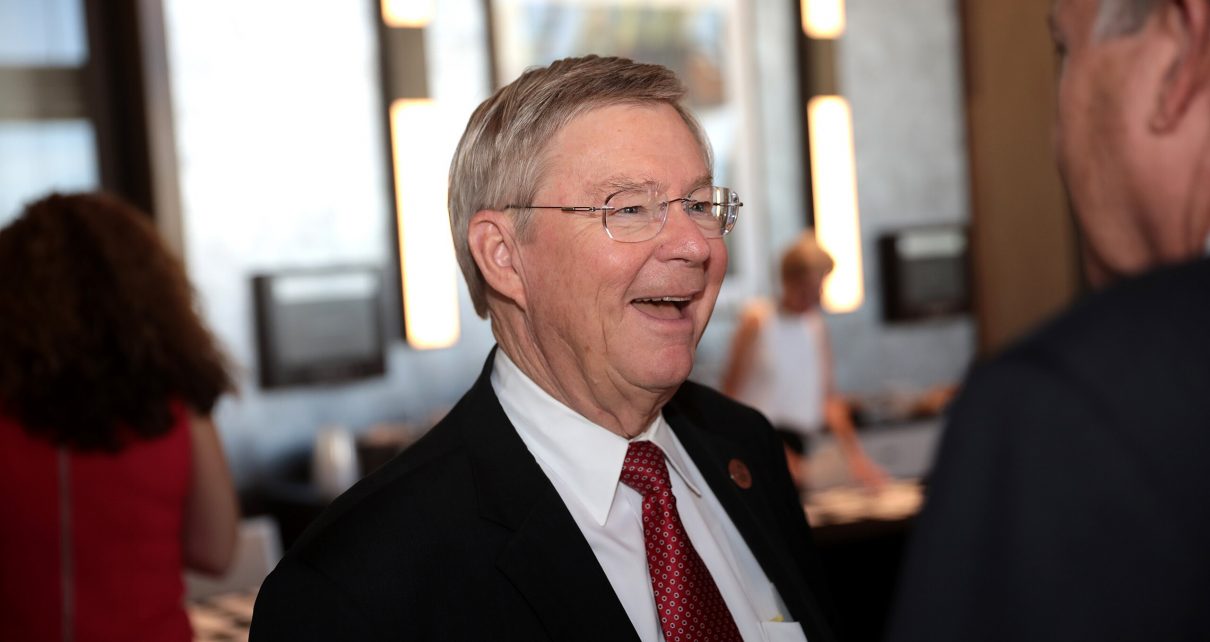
[500,160]
[1122,17]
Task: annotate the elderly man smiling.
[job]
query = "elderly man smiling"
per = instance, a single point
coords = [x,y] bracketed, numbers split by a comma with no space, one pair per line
[582,489]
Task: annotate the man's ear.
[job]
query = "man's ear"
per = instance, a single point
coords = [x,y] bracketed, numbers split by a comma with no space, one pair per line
[493,245]
[1187,21]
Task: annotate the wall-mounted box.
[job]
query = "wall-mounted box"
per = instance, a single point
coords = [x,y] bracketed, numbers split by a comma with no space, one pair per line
[925,273]
[319,325]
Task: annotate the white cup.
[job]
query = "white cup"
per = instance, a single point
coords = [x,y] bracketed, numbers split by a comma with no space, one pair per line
[334,466]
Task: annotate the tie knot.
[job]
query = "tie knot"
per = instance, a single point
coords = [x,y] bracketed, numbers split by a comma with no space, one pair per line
[644,469]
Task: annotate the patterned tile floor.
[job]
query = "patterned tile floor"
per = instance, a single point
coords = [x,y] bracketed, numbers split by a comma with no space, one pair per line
[222,618]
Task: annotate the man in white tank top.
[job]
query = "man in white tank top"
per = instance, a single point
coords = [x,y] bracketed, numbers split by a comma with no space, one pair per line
[781,363]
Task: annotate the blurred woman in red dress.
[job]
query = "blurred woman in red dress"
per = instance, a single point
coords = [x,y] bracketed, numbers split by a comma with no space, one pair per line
[112,477]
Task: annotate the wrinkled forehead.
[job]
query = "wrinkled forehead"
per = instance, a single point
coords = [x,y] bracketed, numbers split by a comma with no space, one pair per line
[591,110]
[586,119]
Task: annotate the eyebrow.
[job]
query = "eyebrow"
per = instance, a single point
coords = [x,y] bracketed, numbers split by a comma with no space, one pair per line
[622,183]
[705,180]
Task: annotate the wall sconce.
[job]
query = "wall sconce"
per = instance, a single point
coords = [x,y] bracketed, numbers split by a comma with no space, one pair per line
[822,19]
[834,190]
[830,149]
[427,268]
[409,14]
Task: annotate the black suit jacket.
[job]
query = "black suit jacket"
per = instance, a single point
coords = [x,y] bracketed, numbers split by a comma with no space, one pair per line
[1070,499]
[463,537]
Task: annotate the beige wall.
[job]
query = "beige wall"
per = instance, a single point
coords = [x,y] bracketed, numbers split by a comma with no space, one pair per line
[1025,252]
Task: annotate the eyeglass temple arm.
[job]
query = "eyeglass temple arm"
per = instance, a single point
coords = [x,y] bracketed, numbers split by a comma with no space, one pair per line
[565,208]
[586,209]
[605,208]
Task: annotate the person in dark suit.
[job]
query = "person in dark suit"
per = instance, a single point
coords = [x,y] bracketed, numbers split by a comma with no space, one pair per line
[582,489]
[1069,496]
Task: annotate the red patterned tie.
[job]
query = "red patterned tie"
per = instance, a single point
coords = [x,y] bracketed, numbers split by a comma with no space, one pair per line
[691,608]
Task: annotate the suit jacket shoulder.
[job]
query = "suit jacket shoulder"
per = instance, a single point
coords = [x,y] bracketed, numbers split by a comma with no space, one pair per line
[439,543]
[1069,480]
[1162,313]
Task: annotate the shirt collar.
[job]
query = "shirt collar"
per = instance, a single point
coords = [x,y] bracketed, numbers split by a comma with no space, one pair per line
[661,433]
[584,457]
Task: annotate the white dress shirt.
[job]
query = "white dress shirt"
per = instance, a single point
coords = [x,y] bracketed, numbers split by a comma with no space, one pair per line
[584,462]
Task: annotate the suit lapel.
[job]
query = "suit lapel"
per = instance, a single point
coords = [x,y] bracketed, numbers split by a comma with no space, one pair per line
[547,558]
[551,564]
[752,515]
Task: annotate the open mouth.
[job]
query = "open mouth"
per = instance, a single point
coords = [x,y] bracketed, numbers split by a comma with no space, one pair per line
[663,307]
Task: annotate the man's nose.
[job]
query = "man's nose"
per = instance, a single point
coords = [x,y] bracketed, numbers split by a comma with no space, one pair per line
[682,238]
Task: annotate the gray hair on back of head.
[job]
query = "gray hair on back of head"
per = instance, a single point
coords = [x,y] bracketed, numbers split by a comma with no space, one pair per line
[500,160]
[1122,17]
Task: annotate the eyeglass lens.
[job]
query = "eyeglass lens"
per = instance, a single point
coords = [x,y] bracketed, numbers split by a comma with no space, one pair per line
[638,215]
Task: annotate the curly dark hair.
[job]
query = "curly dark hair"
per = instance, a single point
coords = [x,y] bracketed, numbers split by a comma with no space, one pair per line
[98,331]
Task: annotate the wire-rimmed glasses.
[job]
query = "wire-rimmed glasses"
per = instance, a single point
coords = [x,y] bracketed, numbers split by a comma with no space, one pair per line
[633,216]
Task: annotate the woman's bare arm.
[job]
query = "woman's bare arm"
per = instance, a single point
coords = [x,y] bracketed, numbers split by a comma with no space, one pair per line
[211,510]
[739,359]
